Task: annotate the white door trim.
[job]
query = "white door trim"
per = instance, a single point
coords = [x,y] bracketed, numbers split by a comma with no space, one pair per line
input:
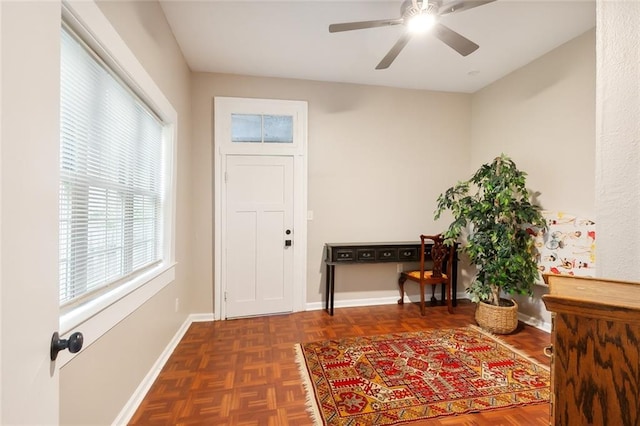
[223,107]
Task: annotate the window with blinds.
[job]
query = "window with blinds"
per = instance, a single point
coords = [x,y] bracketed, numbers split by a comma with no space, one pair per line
[111,157]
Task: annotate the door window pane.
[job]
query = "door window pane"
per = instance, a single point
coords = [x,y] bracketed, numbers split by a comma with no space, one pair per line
[278,128]
[246,128]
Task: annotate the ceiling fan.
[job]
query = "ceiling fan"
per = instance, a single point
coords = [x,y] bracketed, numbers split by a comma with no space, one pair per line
[419,16]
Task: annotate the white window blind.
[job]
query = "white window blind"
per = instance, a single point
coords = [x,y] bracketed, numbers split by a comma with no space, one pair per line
[110,177]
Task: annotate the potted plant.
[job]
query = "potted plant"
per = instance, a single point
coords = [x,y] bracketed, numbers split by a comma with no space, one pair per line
[493,207]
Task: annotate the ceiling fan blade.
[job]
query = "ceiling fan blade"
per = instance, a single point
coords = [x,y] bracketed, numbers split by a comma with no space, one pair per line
[457,42]
[394,52]
[348,26]
[462,6]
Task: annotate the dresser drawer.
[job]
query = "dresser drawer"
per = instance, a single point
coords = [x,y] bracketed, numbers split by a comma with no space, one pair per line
[387,255]
[343,255]
[408,254]
[366,254]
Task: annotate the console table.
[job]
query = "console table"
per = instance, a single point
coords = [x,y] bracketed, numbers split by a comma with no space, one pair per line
[361,253]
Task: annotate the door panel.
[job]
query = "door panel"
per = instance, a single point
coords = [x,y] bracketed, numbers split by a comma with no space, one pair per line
[30,36]
[242,246]
[258,267]
[273,265]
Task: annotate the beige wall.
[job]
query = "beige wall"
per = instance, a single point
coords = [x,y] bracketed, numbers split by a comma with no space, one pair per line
[96,384]
[543,116]
[378,158]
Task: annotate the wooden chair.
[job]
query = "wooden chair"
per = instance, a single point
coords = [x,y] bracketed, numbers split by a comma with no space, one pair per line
[442,257]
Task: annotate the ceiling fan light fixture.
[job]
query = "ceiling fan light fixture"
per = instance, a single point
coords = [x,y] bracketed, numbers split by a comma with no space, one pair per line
[421,22]
[420,16]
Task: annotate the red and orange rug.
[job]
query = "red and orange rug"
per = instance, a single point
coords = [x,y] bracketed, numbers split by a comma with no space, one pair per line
[396,378]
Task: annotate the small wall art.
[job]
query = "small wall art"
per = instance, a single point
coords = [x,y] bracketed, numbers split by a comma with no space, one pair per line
[567,246]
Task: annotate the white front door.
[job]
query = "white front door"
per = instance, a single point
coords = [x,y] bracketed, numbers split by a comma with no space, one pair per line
[258,235]
[260,216]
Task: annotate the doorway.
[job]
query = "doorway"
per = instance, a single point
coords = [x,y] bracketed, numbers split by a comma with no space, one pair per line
[259,206]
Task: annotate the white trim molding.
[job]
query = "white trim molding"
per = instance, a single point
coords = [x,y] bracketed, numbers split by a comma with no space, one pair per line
[374,301]
[535,322]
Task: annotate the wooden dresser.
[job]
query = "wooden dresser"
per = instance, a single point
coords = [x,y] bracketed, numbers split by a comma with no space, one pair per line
[596,346]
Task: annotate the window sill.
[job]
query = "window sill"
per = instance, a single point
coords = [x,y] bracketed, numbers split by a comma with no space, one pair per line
[98,316]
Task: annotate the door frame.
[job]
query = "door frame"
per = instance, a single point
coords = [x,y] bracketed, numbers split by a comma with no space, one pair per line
[223,107]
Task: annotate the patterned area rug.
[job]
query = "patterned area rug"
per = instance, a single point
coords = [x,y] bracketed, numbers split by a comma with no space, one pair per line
[396,378]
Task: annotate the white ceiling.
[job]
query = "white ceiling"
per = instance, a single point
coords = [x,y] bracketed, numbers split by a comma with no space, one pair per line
[291,39]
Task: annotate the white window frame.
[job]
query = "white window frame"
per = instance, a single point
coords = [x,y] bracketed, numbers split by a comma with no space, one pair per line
[102,313]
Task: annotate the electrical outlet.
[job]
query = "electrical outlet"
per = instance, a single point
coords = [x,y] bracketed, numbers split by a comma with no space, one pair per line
[177,305]
[399,267]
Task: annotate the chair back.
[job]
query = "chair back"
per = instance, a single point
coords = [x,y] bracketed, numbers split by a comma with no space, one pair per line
[441,255]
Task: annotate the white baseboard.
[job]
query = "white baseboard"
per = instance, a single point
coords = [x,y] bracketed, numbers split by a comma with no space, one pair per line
[535,322]
[138,395]
[351,303]
[200,318]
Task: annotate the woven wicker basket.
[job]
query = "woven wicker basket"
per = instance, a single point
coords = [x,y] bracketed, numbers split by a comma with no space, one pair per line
[497,319]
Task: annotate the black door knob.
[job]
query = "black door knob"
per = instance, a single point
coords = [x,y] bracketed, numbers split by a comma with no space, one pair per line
[73,343]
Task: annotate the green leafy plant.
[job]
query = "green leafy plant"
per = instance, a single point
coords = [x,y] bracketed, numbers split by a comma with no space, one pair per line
[494,207]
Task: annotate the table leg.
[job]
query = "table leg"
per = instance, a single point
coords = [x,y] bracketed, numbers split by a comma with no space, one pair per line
[329,288]
[454,280]
[326,288]
[332,280]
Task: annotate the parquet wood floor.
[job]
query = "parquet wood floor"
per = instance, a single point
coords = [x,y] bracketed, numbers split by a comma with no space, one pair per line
[243,371]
